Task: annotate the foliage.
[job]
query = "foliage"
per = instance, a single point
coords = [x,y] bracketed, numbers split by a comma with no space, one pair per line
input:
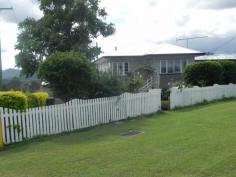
[31,46]
[205,73]
[37,99]
[165,94]
[13,100]
[134,82]
[229,72]
[65,26]
[106,85]
[21,101]
[42,97]
[69,74]
[32,100]
[146,71]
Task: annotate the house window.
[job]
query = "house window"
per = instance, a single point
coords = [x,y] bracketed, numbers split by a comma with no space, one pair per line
[173,66]
[177,66]
[120,68]
[163,66]
[126,68]
[170,67]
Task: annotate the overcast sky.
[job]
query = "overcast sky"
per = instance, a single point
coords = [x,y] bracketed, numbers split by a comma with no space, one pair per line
[142,22]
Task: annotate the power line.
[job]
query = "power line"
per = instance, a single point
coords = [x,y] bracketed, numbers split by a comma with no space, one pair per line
[6,8]
[13,10]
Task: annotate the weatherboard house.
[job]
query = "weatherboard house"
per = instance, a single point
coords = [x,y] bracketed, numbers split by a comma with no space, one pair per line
[167,60]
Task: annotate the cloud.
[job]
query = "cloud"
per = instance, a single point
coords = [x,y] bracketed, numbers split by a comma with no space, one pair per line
[21,10]
[153,3]
[218,44]
[213,4]
[8,32]
[183,20]
[143,21]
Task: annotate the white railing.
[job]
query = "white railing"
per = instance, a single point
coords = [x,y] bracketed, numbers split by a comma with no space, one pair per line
[147,85]
[191,96]
[76,115]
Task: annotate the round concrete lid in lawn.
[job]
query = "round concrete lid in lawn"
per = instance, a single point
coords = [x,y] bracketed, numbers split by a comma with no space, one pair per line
[131,133]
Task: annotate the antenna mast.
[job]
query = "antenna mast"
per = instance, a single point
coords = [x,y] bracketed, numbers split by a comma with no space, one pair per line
[190,38]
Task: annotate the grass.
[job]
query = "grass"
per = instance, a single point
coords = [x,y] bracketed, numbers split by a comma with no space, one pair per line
[197,141]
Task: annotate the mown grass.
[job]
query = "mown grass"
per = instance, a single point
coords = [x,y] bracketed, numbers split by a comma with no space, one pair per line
[197,141]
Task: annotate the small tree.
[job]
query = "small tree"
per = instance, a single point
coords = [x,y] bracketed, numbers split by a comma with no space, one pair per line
[205,73]
[69,74]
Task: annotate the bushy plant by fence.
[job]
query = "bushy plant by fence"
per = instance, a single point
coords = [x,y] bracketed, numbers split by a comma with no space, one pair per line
[21,101]
[76,115]
[205,73]
[13,100]
[229,72]
[37,99]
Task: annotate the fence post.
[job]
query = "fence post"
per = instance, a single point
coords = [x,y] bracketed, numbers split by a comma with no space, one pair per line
[1,136]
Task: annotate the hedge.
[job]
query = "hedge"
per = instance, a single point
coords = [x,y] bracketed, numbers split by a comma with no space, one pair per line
[229,72]
[21,101]
[205,73]
[13,100]
[37,99]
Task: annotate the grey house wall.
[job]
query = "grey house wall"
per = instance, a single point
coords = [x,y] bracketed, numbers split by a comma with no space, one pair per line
[160,80]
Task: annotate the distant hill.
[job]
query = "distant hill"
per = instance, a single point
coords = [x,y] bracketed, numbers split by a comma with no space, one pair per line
[8,74]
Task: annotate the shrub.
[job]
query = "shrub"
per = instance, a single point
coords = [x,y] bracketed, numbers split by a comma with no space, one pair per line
[37,99]
[205,73]
[229,72]
[69,74]
[32,100]
[146,71]
[134,82]
[105,85]
[165,94]
[42,97]
[13,100]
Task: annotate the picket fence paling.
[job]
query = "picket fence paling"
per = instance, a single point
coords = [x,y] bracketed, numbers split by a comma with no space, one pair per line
[75,115]
[195,95]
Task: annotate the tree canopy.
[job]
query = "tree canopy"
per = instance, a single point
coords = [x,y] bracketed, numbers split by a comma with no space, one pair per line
[65,26]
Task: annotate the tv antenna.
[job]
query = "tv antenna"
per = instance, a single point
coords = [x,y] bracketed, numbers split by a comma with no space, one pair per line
[190,38]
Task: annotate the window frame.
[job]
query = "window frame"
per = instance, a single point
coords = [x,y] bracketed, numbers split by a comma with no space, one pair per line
[166,63]
[116,68]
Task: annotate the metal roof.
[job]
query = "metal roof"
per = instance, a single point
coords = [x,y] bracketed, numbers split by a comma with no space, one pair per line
[149,49]
[216,57]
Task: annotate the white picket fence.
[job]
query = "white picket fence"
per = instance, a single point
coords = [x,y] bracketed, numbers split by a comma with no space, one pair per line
[191,96]
[76,115]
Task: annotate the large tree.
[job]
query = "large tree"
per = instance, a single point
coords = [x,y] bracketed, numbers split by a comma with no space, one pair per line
[66,25]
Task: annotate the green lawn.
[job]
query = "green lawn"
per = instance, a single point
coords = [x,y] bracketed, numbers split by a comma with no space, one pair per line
[192,142]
